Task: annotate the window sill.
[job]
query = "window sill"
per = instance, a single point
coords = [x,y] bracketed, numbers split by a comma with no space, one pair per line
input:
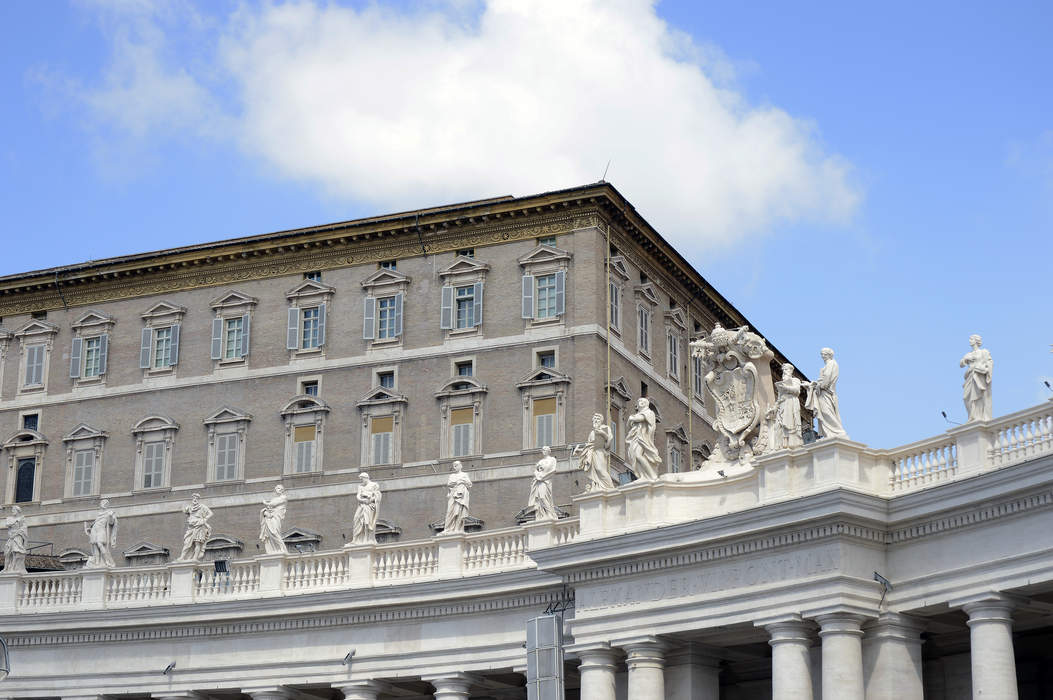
[153,489]
[299,475]
[32,389]
[306,353]
[232,362]
[225,482]
[79,499]
[159,371]
[461,332]
[385,343]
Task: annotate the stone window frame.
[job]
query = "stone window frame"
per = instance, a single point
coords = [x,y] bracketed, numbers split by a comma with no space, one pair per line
[461,392]
[462,272]
[619,275]
[226,421]
[93,324]
[675,332]
[544,383]
[676,440]
[144,553]
[308,294]
[24,444]
[226,307]
[304,410]
[544,260]
[646,303]
[151,429]
[161,315]
[84,438]
[5,342]
[35,332]
[385,283]
[381,402]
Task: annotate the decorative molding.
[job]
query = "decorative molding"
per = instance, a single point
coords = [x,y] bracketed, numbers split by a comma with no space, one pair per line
[972,516]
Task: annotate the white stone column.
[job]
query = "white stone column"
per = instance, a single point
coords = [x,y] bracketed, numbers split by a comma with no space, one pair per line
[360,690]
[842,655]
[691,674]
[597,672]
[791,664]
[450,686]
[270,693]
[645,659]
[991,648]
[892,667]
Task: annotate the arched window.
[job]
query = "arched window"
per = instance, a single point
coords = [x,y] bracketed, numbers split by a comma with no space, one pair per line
[25,480]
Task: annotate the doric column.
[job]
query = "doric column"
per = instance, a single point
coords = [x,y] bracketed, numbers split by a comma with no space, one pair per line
[842,655]
[791,664]
[596,672]
[991,647]
[360,690]
[691,674]
[271,693]
[450,686]
[892,658]
[645,659]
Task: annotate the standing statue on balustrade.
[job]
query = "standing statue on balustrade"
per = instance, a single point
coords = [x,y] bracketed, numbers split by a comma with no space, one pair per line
[364,527]
[642,455]
[102,534]
[16,547]
[272,517]
[822,398]
[458,493]
[594,456]
[541,498]
[787,427]
[977,389]
[197,530]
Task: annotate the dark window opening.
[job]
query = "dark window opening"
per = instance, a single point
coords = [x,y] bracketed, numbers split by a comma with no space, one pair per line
[24,480]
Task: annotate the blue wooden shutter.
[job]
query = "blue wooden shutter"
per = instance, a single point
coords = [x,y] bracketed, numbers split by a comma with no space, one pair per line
[446,308]
[398,314]
[245,335]
[144,349]
[477,315]
[175,345]
[561,283]
[528,296]
[74,358]
[321,324]
[292,340]
[369,318]
[217,339]
[104,351]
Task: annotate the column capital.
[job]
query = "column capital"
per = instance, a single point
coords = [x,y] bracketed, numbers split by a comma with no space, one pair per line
[840,623]
[645,651]
[891,625]
[593,655]
[360,690]
[272,692]
[788,628]
[450,685]
[989,605]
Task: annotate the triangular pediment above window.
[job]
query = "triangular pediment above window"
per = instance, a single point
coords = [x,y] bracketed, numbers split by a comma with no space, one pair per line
[646,292]
[37,327]
[224,542]
[304,403]
[384,277]
[227,415]
[618,268]
[461,385]
[309,288]
[164,308]
[233,299]
[151,423]
[471,524]
[93,319]
[301,539]
[464,266]
[677,319]
[543,375]
[677,432]
[84,432]
[619,388]
[23,437]
[145,549]
[381,395]
[544,254]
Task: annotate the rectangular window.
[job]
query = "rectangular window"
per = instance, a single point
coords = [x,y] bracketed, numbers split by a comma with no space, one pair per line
[309,328]
[313,275]
[381,435]
[34,365]
[386,318]
[153,465]
[387,265]
[309,388]
[462,422]
[547,358]
[544,421]
[162,348]
[226,456]
[465,310]
[547,240]
[234,330]
[644,324]
[464,369]
[616,310]
[466,252]
[674,356]
[546,296]
[386,379]
[696,363]
[31,421]
[674,460]
[83,472]
[92,357]
[616,420]
[303,440]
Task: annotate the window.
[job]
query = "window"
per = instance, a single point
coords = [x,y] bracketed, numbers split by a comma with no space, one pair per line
[386,379]
[546,296]
[160,340]
[310,387]
[674,460]
[546,358]
[387,265]
[83,473]
[310,328]
[39,315]
[466,252]
[461,306]
[89,348]
[464,369]
[31,421]
[92,357]
[643,388]
[25,480]
[616,305]
[304,443]
[162,350]
[307,314]
[643,324]
[673,358]
[313,275]
[153,464]
[304,418]
[465,312]
[386,318]
[615,425]
[462,438]
[382,317]
[544,283]
[23,453]
[544,421]
[381,429]
[233,338]
[696,364]
[34,375]
[231,326]
[226,456]
[547,240]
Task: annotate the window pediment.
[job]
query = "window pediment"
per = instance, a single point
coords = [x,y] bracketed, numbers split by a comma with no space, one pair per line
[458,386]
[5,335]
[227,415]
[464,269]
[36,327]
[385,280]
[152,423]
[618,268]
[24,437]
[620,389]
[381,395]
[544,255]
[233,301]
[302,539]
[164,311]
[308,289]
[646,293]
[676,319]
[304,404]
[224,542]
[543,376]
[85,432]
[676,432]
[94,321]
[145,549]
[471,524]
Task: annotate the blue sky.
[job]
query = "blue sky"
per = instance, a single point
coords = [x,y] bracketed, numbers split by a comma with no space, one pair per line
[877,178]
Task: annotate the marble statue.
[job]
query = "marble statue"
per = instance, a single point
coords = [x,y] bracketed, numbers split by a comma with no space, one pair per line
[364,527]
[787,424]
[197,529]
[458,491]
[731,378]
[102,533]
[541,499]
[272,516]
[594,457]
[977,388]
[15,549]
[642,455]
[822,398]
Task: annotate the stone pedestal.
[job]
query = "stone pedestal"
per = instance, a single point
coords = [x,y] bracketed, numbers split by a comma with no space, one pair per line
[93,588]
[271,573]
[791,664]
[645,659]
[691,675]
[973,443]
[451,554]
[892,665]
[453,686]
[9,593]
[183,581]
[360,690]
[842,656]
[991,648]
[597,672]
[360,559]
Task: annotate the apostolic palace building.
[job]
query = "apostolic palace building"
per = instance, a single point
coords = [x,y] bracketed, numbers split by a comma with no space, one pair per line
[704,540]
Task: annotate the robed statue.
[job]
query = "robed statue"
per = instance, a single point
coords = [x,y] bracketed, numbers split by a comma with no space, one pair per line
[364,527]
[977,389]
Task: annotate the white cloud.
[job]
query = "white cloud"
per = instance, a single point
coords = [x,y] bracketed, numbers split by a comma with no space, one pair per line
[405,109]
